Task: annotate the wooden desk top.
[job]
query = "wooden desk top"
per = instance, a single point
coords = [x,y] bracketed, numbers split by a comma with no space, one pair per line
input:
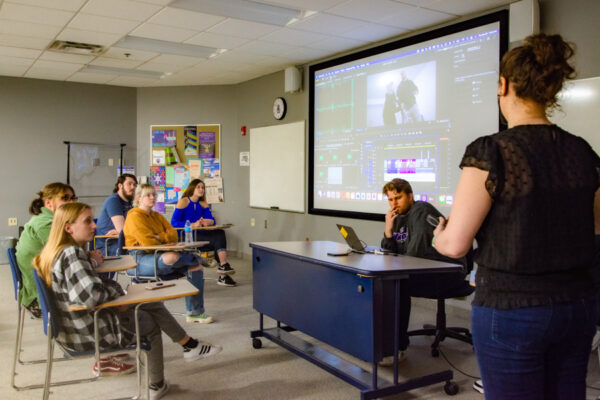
[106,237]
[208,228]
[118,264]
[169,246]
[363,264]
[139,294]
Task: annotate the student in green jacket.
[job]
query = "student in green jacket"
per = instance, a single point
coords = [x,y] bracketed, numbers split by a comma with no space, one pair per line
[35,235]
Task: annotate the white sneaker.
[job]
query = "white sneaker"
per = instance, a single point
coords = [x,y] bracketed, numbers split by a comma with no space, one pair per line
[203,350]
[157,393]
[389,360]
[199,319]
[478,385]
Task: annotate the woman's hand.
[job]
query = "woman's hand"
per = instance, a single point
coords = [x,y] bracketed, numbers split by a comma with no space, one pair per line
[441,226]
[96,256]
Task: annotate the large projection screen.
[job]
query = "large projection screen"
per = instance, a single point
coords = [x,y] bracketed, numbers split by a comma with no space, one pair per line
[407,110]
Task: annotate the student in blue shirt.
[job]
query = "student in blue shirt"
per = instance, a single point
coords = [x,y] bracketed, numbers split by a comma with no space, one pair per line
[112,215]
[192,206]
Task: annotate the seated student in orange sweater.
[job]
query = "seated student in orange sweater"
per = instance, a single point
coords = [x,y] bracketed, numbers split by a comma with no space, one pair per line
[145,227]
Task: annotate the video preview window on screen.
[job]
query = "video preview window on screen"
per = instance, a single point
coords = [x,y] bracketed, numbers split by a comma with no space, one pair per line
[407,113]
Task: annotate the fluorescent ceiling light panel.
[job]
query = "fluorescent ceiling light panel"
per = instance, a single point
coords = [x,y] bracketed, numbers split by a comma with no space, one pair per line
[241,9]
[122,71]
[165,47]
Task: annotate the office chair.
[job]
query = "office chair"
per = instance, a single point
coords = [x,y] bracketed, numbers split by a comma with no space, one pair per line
[460,288]
[51,330]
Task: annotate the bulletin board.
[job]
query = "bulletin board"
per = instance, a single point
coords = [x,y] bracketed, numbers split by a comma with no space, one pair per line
[277,167]
[180,153]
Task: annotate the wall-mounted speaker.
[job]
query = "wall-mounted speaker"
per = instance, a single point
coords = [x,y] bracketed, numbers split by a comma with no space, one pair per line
[524,19]
[293,80]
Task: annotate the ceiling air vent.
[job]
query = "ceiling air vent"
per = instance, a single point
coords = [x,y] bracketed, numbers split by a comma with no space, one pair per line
[75,47]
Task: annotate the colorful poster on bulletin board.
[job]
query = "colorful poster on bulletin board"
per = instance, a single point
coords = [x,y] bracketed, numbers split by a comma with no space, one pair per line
[169,176]
[190,141]
[182,178]
[206,146]
[158,138]
[211,168]
[159,206]
[195,168]
[171,195]
[157,177]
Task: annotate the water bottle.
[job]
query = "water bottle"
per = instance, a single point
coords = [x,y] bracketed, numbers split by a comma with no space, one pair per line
[188,232]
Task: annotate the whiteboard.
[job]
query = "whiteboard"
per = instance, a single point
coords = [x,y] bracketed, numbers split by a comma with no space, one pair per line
[580,114]
[277,167]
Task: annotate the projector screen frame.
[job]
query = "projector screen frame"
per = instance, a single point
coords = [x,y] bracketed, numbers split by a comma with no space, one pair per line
[501,17]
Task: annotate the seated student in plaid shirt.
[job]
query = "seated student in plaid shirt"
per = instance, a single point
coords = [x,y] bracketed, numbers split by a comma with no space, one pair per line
[65,267]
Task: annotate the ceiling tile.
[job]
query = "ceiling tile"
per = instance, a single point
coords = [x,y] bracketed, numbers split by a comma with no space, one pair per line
[20,61]
[458,7]
[161,67]
[244,29]
[44,73]
[63,57]
[115,62]
[416,18]
[305,54]
[132,81]
[56,65]
[96,23]
[68,5]
[19,52]
[157,2]
[217,41]
[328,24]
[176,60]
[35,15]
[293,37]
[266,48]
[374,32]
[87,77]
[125,9]
[115,52]
[368,10]
[314,5]
[11,27]
[185,19]
[11,69]
[77,35]
[24,41]
[162,32]
[335,44]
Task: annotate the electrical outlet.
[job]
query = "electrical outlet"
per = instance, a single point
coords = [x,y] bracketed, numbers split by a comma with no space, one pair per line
[12,222]
[111,162]
[252,222]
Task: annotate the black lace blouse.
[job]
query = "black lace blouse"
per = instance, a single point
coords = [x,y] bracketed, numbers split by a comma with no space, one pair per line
[536,245]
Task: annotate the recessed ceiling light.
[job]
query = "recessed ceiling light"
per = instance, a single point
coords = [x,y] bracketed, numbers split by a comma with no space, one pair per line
[165,47]
[241,9]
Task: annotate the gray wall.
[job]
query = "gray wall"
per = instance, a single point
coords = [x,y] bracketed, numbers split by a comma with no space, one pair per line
[36,116]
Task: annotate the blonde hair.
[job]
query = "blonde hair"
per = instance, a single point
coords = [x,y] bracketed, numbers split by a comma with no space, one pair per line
[59,239]
[49,192]
[141,191]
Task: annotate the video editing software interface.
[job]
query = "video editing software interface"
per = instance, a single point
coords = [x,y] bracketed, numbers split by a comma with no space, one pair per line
[408,113]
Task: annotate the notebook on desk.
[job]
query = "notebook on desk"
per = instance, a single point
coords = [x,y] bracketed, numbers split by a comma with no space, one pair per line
[354,242]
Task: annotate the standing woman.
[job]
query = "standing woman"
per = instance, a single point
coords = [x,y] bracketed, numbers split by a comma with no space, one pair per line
[35,235]
[528,194]
[146,227]
[66,269]
[193,207]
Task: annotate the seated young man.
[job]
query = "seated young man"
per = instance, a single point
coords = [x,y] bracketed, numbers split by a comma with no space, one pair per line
[114,211]
[408,232]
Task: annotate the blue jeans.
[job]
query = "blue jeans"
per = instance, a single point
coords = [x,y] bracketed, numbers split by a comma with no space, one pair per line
[536,352]
[145,266]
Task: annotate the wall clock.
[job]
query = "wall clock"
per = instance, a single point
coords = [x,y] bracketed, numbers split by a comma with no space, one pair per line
[279,108]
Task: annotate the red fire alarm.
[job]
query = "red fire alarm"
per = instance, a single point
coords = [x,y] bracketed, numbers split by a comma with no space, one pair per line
[243,130]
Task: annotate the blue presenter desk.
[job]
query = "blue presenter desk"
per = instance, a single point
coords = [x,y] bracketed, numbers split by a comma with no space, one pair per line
[349,302]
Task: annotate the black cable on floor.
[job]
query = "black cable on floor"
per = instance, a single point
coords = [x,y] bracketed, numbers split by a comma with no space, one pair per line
[455,367]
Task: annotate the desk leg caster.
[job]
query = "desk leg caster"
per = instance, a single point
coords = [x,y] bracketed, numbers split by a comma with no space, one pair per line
[435,352]
[451,388]
[256,343]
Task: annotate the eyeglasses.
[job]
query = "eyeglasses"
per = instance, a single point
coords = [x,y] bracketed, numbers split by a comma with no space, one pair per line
[68,197]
